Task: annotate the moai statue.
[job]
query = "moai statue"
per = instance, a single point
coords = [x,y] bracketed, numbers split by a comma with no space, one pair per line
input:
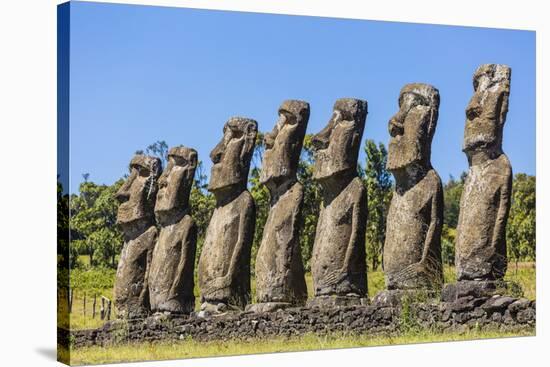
[485,203]
[280,280]
[171,279]
[136,220]
[412,251]
[224,264]
[338,261]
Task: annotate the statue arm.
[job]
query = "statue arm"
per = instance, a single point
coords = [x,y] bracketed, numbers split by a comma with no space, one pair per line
[499,231]
[293,233]
[187,258]
[358,226]
[246,220]
[149,257]
[434,230]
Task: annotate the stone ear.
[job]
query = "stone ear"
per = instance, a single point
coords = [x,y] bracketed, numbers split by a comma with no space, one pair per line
[432,122]
[251,131]
[193,159]
[354,140]
[502,105]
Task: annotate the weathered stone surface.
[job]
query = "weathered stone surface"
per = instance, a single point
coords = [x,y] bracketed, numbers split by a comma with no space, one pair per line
[453,291]
[518,305]
[338,260]
[279,272]
[171,279]
[412,251]
[224,264]
[377,319]
[136,220]
[485,202]
[497,303]
[329,302]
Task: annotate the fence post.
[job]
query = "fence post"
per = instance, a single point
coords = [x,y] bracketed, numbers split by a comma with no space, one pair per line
[102,309]
[108,309]
[70,300]
[84,304]
[93,307]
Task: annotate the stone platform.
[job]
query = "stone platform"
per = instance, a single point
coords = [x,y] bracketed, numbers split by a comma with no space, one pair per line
[487,313]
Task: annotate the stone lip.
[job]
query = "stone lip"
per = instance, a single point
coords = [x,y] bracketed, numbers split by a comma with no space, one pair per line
[499,313]
[475,288]
[395,297]
[337,301]
[268,307]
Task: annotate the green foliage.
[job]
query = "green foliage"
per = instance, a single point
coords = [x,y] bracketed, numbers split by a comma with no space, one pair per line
[93,223]
[312,201]
[92,281]
[65,260]
[521,229]
[202,204]
[448,236]
[261,197]
[379,191]
[452,191]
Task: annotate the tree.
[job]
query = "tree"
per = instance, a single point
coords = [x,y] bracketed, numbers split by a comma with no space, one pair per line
[452,191]
[93,223]
[158,149]
[261,196]
[521,229]
[379,191]
[448,237]
[65,257]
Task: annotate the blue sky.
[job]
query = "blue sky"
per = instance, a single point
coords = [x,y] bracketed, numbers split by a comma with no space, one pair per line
[141,74]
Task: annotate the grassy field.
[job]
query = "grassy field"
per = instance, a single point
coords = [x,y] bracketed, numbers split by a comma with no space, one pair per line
[196,349]
[525,276]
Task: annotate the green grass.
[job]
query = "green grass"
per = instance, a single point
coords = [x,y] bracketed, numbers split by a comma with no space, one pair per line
[194,349]
[525,276]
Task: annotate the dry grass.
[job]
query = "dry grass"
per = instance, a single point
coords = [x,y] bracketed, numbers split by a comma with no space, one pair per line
[195,349]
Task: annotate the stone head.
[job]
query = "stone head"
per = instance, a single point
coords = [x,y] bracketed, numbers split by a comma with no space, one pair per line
[231,157]
[336,147]
[137,195]
[487,109]
[175,182]
[284,144]
[412,128]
